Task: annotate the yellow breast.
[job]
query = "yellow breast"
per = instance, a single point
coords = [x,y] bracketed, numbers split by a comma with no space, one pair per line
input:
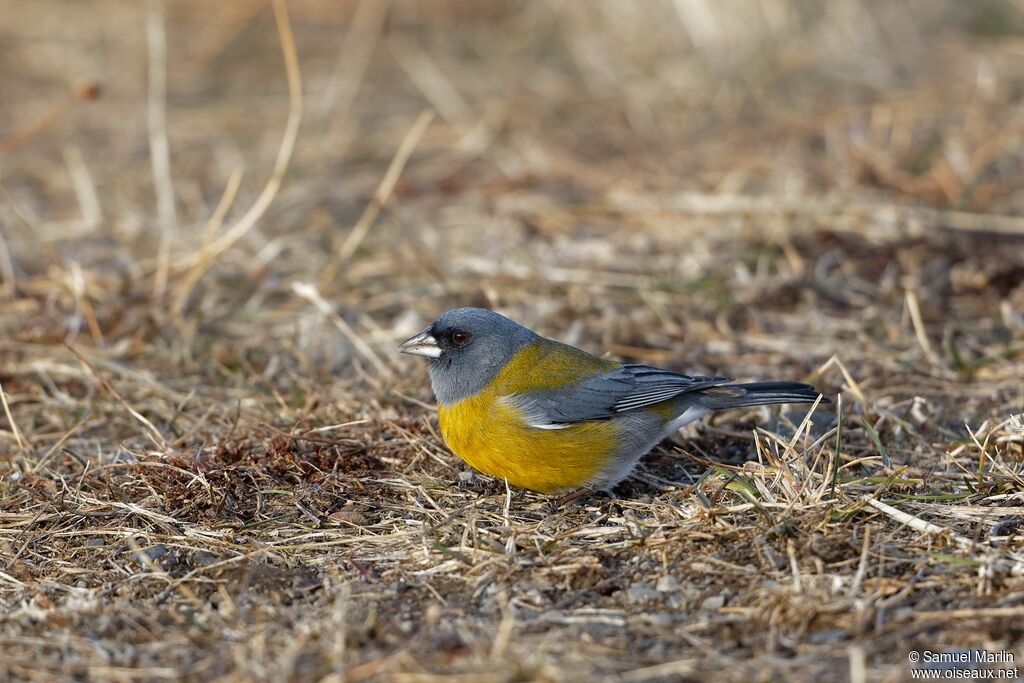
[492,436]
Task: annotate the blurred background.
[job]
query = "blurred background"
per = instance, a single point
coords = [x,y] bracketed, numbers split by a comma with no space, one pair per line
[580,159]
[217,219]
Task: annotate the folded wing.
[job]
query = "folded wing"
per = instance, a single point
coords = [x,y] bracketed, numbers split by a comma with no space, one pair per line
[605,394]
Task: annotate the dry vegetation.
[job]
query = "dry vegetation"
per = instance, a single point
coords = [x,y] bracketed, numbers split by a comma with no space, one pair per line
[214,465]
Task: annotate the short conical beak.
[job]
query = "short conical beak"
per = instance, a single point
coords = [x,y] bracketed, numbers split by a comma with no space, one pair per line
[423,344]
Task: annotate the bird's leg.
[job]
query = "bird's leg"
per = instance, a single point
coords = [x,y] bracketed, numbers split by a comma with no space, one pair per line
[558,503]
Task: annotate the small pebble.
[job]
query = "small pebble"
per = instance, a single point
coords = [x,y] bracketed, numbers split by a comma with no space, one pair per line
[201,558]
[151,553]
[667,584]
[713,602]
[641,593]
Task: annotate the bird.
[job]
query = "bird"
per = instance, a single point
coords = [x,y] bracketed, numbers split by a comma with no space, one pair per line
[549,417]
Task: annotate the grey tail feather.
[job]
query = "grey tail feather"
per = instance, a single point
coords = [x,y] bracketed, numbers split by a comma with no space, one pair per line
[762,394]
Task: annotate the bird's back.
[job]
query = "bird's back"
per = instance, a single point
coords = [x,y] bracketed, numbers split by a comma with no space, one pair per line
[548,364]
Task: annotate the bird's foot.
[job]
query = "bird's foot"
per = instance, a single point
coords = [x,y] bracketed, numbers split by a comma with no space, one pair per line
[558,503]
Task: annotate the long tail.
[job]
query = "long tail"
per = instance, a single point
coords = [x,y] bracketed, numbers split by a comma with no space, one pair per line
[758,394]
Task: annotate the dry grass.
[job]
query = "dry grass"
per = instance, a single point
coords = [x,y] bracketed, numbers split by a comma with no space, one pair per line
[214,465]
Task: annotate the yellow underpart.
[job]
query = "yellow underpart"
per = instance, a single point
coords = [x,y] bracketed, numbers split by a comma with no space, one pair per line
[492,436]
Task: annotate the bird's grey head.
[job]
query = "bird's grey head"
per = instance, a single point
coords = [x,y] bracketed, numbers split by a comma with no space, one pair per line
[465,348]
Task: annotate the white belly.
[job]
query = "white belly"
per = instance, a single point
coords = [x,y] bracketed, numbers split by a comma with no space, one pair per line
[691,414]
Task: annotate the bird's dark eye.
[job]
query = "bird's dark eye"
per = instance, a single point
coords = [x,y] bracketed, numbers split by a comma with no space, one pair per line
[460,337]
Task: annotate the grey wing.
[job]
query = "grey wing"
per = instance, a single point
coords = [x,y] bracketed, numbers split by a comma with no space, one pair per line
[605,394]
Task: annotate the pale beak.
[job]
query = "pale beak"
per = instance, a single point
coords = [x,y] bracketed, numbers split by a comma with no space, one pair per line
[423,344]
